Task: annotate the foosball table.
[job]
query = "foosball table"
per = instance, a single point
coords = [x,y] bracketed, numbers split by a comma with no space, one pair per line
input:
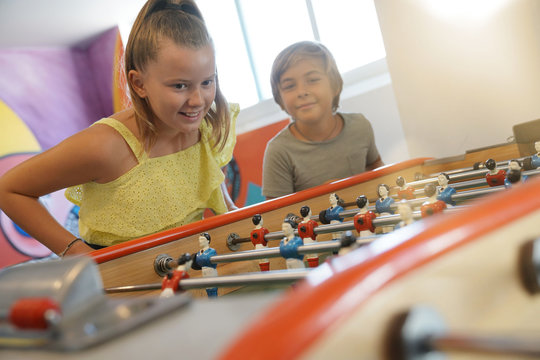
[416,259]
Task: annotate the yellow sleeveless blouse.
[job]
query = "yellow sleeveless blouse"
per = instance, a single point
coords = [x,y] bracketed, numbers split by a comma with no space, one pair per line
[158,193]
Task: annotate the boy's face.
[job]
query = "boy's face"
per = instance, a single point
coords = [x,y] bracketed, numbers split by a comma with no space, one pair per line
[306,92]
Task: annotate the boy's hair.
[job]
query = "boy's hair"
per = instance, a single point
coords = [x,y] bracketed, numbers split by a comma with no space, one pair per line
[300,51]
[182,22]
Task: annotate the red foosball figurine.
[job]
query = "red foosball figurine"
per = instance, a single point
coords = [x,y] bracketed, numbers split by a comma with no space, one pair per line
[363,220]
[306,231]
[257,239]
[494,177]
[432,205]
[171,282]
[404,192]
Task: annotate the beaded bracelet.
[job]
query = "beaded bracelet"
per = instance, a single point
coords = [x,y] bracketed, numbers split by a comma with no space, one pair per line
[69,246]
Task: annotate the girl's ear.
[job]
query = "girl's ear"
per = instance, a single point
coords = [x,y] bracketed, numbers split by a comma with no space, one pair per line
[136,80]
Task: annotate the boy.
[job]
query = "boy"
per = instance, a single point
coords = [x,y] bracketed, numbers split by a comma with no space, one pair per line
[320,144]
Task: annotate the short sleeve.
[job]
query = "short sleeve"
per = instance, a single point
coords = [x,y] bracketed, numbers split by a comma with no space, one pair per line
[224,156]
[74,194]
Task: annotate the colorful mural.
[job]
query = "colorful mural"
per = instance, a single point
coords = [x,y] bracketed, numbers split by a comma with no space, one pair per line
[47,95]
[72,89]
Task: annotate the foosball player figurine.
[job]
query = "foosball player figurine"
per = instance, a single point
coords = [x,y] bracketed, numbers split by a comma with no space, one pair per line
[257,239]
[363,220]
[494,177]
[445,191]
[432,205]
[306,231]
[405,211]
[171,281]
[347,242]
[533,162]
[383,205]
[288,247]
[513,175]
[331,215]
[404,192]
[202,261]
[535,159]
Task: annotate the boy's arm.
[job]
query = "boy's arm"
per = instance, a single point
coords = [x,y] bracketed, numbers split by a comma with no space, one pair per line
[377,163]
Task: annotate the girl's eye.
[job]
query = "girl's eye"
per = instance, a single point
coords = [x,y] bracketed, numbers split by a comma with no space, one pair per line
[208,82]
[313,80]
[179,86]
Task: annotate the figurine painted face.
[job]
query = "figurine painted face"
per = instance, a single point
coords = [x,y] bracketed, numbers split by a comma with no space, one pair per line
[443,181]
[537,146]
[287,229]
[333,199]
[382,191]
[203,242]
[514,165]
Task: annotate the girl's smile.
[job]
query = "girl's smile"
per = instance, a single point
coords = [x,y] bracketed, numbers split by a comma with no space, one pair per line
[180,88]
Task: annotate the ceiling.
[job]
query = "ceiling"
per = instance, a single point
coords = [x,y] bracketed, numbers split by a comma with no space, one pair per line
[60,23]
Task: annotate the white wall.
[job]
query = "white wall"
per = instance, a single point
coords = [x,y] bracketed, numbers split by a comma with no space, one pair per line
[458,75]
[463,72]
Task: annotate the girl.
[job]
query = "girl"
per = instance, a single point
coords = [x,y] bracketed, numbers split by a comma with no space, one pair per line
[154,166]
[320,144]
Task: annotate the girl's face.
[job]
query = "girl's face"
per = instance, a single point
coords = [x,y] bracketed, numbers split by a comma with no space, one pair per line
[180,86]
[306,91]
[382,191]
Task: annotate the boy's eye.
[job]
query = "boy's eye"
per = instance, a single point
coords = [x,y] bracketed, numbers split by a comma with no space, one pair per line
[287,86]
[207,82]
[312,80]
[179,86]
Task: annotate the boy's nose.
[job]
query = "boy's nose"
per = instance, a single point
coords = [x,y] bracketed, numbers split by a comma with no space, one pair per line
[302,91]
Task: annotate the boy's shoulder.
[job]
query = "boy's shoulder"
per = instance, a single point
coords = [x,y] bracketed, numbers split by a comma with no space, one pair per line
[283,136]
[353,116]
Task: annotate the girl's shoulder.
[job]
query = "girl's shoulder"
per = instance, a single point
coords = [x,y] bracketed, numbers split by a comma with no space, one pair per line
[107,149]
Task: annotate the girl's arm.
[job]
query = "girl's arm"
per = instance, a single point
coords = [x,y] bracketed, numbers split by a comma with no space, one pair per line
[84,157]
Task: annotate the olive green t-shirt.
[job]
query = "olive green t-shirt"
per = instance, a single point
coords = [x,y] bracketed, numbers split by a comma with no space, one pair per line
[291,165]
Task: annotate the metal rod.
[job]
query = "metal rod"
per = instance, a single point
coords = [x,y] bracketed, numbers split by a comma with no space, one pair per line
[486,344]
[323,246]
[500,165]
[262,278]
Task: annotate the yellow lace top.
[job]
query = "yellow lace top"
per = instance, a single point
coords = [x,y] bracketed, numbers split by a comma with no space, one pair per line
[157,194]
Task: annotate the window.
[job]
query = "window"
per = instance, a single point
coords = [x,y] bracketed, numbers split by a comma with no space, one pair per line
[249,34]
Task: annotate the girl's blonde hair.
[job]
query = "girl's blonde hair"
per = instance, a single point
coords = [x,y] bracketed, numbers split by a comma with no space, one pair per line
[300,51]
[182,22]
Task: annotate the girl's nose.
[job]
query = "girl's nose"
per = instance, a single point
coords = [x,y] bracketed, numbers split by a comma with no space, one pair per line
[195,97]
